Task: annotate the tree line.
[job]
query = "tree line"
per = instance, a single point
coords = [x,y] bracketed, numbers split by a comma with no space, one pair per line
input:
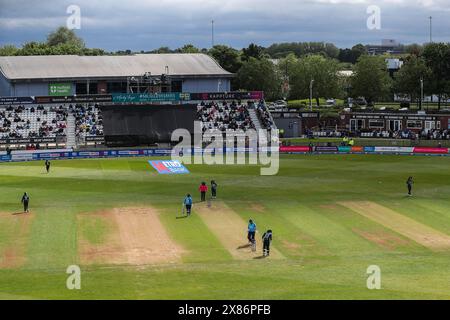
[59,42]
[285,70]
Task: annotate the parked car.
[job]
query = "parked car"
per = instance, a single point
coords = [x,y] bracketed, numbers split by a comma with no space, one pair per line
[331,103]
[281,103]
[279,106]
[360,101]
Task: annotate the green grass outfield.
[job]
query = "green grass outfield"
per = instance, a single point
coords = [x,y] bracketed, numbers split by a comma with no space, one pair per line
[327,247]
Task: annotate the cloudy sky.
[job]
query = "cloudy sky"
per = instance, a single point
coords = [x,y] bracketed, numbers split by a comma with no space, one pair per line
[150,24]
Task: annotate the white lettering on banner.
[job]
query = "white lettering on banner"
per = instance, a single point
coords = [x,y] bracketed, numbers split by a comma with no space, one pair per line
[395,149]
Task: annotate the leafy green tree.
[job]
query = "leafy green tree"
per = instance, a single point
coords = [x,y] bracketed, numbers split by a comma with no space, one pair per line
[352,55]
[285,68]
[188,48]
[60,42]
[371,79]
[260,74]
[227,57]
[323,71]
[34,48]
[331,51]
[358,51]
[8,50]
[40,48]
[94,52]
[122,52]
[346,55]
[437,58]
[253,50]
[408,79]
[66,49]
[414,49]
[64,35]
[162,50]
[281,50]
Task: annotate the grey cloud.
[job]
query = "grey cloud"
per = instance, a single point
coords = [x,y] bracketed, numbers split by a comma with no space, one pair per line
[138,24]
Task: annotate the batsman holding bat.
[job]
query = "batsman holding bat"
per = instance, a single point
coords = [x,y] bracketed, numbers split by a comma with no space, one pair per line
[251,234]
[187,204]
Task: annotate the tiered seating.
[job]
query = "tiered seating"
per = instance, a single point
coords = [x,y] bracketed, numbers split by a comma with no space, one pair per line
[24,122]
[88,121]
[223,116]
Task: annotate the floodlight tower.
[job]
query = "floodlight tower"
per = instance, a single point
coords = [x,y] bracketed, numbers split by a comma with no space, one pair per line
[212,33]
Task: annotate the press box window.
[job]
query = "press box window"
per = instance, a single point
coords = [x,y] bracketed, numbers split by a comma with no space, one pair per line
[376,124]
[414,124]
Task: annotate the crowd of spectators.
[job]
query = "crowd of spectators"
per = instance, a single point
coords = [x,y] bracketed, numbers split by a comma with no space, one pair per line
[88,121]
[223,116]
[408,134]
[390,134]
[24,122]
[383,134]
[264,116]
[435,134]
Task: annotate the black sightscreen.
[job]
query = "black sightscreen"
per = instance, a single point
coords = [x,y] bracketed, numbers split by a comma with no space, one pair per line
[132,125]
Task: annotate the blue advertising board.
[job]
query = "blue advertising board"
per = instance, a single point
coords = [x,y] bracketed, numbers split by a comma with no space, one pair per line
[175,167]
[5,158]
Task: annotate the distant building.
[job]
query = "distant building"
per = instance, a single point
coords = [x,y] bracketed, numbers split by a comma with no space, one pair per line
[369,121]
[390,43]
[393,66]
[388,46]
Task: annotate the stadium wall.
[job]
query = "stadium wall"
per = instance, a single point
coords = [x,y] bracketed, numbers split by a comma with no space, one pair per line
[291,126]
[25,89]
[5,87]
[135,125]
[32,89]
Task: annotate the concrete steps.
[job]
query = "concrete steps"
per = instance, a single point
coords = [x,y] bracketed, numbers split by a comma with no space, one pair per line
[71,137]
[255,119]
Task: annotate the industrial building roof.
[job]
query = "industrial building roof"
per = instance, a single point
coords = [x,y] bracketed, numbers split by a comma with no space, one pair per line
[73,67]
